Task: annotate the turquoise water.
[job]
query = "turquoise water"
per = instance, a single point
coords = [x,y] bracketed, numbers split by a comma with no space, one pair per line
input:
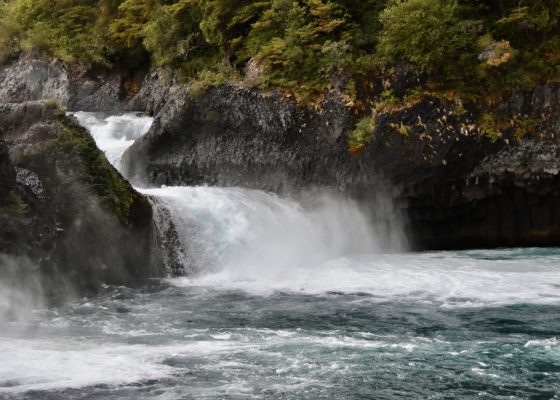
[478,324]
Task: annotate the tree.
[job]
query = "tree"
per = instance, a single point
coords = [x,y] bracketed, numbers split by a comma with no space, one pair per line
[427,33]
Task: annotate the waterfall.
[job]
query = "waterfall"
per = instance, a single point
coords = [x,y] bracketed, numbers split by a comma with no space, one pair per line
[114,133]
[257,232]
[200,230]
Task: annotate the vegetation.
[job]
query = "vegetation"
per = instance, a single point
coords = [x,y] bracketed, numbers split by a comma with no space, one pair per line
[489,126]
[466,48]
[361,135]
[57,109]
[298,45]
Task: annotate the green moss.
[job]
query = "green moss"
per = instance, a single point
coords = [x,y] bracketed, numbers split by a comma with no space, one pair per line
[524,126]
[13,215]
[207,79]
[74,146]
[57,109]
[387,101]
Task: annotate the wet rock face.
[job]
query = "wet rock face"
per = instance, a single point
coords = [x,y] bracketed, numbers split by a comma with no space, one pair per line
[454,186]
[69,210]
[511,198]
[7,173]
[234,136]
[470,192]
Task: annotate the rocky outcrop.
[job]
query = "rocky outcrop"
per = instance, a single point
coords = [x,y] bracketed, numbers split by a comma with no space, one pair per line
[32,79]
[510,198]
[81,88]
[455,182]
[486,194]
[234,136]
[68,210]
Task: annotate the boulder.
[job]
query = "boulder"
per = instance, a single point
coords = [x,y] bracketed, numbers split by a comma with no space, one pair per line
[70,211]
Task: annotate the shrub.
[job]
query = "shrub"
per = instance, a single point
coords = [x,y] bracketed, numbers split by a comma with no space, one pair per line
[361,135]
[427,33]
[489,126]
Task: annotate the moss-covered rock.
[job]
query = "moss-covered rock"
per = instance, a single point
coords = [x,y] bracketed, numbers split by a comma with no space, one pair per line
[12,209]
[81,221]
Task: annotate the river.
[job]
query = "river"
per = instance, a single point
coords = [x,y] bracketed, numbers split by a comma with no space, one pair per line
[292,298]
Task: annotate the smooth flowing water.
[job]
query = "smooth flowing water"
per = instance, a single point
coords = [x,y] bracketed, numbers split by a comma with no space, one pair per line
[294,299]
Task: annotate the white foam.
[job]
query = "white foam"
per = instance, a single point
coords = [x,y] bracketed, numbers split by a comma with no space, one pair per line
[52,365]
[546,343]
[450,279]
[37,365]
[116,133]
[482,372]
[250,234]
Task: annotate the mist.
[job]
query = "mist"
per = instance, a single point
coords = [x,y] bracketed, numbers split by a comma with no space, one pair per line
[21,290]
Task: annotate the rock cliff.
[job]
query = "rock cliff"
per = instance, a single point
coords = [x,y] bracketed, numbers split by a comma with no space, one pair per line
[455,184]
[460,175]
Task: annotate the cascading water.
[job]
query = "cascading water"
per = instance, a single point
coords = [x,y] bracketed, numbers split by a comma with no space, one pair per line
[242,232]
[292,299]
[115,133]
[252,233]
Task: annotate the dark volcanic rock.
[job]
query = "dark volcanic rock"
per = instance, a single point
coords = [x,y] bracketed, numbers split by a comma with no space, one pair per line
[7,173]
[474,193]
[454,186]
[511,198]
[234,136]
[69,211]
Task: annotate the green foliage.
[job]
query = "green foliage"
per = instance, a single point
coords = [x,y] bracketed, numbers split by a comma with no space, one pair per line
[57,109]
[489,126]
[524,126]
[128,25]
[468,47]
[66,29]
[299,45]
[387,100]
[9,31]
[428,33]
[361,135]
[211,78]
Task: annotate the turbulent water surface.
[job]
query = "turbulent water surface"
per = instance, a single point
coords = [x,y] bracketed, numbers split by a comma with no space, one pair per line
[294,299]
